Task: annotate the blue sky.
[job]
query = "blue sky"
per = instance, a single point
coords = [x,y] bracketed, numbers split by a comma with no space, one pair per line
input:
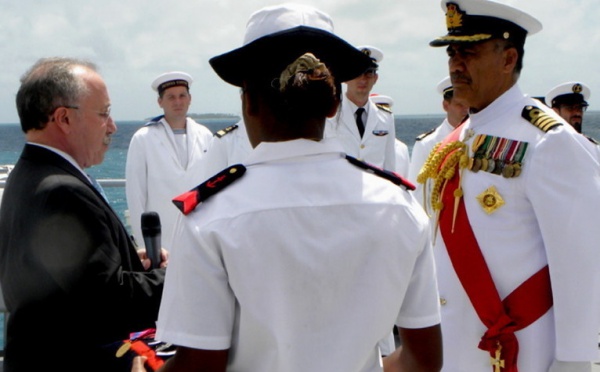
[133,41]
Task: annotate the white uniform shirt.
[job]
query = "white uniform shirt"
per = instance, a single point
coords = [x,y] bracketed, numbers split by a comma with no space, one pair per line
[303,264]
[377,146]
[154,174]
[420,151]
[549,217]
[231,148]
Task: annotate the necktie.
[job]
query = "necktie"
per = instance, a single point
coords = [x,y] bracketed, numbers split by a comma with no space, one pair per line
[359,121]
[98,187]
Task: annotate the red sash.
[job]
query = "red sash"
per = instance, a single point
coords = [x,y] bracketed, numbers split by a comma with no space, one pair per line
[527,303]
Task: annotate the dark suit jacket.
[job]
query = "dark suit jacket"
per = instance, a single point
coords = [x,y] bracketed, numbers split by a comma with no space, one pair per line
[72,281]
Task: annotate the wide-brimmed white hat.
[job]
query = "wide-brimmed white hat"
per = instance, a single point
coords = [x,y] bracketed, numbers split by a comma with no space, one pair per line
[277,35]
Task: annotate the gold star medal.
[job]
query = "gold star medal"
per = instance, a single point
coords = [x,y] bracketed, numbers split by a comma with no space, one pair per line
[490,200]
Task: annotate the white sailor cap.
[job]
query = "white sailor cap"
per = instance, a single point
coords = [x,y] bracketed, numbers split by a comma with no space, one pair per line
[372,52]
[444,86]
[568,93]
[171,79]
[471,21]
[382,99]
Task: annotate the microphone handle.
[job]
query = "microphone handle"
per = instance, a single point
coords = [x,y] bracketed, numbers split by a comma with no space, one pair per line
[153,249]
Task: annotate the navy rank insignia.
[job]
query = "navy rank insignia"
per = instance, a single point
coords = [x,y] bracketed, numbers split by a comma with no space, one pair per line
[188,201]
[385,108]
[497,155]
[388,175]
[220,133]
[423,135]
[539,118]
[592,140]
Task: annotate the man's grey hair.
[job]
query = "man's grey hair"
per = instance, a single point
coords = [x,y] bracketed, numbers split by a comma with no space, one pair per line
[49,84]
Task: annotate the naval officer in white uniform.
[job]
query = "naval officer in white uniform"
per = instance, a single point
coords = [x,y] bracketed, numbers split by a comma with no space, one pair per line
[366,130]
[518,194]
[165,156]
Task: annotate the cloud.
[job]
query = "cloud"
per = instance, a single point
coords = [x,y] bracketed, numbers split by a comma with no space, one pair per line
[133,41]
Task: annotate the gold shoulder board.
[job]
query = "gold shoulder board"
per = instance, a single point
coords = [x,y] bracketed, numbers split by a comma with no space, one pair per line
[224,131]
[385,108]
[423,135]
[539,118]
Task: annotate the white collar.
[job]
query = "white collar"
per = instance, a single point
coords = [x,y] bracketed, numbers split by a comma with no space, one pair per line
[288,150]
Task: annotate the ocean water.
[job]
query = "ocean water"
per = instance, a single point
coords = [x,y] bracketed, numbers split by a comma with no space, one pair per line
[12,141]
[407,128]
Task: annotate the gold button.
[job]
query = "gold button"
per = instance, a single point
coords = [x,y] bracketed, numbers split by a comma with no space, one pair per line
[362,146]
[443,301]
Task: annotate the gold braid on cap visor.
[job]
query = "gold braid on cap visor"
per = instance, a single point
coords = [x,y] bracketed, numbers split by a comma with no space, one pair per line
[465,38]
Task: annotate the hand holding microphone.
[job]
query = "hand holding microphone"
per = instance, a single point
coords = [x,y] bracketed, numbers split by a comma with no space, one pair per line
[151,234]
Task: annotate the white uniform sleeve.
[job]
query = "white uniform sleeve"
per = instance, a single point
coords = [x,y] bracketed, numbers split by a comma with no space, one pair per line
[390,147]
[198,307]
[136,191]
[421,306]
[564,190]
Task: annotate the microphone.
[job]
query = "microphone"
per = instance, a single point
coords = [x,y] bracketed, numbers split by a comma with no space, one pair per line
[151,233]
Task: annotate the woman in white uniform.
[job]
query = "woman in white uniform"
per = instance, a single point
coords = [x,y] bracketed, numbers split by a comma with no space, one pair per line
[307,259]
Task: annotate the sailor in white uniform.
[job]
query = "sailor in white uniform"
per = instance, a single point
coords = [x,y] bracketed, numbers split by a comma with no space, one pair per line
[376,144]
[165,157]
[402,153]
[518,193]
[456,112]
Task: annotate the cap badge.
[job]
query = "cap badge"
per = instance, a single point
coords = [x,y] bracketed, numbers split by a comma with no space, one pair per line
[490,200]
[367,52]
[454,16]
[577,88]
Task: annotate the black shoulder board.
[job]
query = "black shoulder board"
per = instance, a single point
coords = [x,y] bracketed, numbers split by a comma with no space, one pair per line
[539,118]
[423,135]
[220,133]
[592,140]
[188,201]
[385,108]
[388,175]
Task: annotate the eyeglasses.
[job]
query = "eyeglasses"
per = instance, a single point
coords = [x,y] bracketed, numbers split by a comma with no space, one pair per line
[105,115]
[575,107]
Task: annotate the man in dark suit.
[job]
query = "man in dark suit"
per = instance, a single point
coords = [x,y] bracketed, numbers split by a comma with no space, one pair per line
[73,282]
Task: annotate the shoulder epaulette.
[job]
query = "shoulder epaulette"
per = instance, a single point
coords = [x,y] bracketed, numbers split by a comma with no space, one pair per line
[388,175]
[539,118]
[385,108]
[188,201]
[155,120]
[592,140]
[423,135]
[220,133]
